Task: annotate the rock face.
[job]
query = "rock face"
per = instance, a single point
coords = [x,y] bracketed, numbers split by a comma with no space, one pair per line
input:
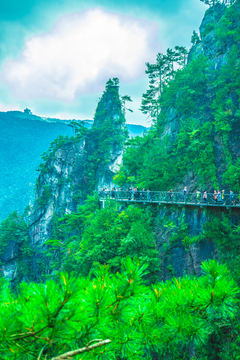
[176,258]
[217,52]
[8,259]
[63,171]
[66,173]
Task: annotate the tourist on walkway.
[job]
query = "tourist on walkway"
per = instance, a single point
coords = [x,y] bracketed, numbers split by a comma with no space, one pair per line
[130,194]
[198,192]
[170,195]
[223,196]
[148,194]
[113,193]
[185,194]
[219,197]
[135,193]
[143,195]
[231,197]
[205,197]
[215,196]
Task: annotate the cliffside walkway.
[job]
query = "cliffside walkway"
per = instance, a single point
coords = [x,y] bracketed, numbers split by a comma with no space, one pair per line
[165,197]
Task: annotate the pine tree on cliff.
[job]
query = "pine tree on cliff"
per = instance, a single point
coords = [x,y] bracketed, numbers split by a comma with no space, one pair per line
[210,2]
[195,38]
[124,99]
[151,98]
[159,74]
[214,2]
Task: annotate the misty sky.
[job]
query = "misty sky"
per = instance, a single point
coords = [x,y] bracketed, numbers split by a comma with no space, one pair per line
[56,55]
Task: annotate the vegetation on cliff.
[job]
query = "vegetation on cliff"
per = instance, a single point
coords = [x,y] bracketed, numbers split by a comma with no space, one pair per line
[113,291]
[199,112]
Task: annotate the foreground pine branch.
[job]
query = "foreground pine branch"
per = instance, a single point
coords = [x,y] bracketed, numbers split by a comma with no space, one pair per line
[70,354]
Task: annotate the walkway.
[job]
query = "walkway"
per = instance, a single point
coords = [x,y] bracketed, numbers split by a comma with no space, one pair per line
[175,198]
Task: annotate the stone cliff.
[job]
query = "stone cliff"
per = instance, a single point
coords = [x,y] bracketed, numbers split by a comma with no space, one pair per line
[218,46]
[74,168]
[218,106]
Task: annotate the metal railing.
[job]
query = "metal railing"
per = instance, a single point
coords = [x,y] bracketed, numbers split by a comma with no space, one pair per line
[208,199]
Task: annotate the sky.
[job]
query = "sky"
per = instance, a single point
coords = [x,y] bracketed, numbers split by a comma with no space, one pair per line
[57,55]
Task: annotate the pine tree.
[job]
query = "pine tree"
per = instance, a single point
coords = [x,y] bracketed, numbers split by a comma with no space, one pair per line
[124,99]
[157,77]
[195,38]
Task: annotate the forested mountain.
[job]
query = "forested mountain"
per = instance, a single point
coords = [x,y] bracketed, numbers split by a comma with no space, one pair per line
[136,280]
[24,137]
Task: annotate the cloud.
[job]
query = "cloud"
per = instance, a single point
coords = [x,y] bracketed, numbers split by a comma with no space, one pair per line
[80,53]
[4,107]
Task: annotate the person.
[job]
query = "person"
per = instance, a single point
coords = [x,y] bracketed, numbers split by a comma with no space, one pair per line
[170,195]
[130,194]
[231,197]
[113,193]
[102,193]
[215,196]
[223,196]
[135,193]
[198,196]
[148,194]
[219,198]
[143,197]
[185,194]
[205,198]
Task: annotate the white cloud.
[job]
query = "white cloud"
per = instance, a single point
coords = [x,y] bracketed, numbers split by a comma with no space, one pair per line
[4,107]
[80,53]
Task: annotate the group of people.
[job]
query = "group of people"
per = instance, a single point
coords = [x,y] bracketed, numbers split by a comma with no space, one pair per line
[130,194]
[217,197]
[200,197]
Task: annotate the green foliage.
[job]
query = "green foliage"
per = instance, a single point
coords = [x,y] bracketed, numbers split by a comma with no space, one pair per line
[53,318]
[199,106]
[226,236]
[45,196]
[15,229]
[209,27]
[107,236]
[159,74]
[195,38]
[58,143]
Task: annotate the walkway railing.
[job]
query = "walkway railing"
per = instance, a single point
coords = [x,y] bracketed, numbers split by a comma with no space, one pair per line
[166,197]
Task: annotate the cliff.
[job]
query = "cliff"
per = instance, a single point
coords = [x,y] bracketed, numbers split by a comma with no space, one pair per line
[75,169]
[194,142]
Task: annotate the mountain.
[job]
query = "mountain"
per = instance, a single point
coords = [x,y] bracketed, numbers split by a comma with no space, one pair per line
[191,249]
[24,137]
